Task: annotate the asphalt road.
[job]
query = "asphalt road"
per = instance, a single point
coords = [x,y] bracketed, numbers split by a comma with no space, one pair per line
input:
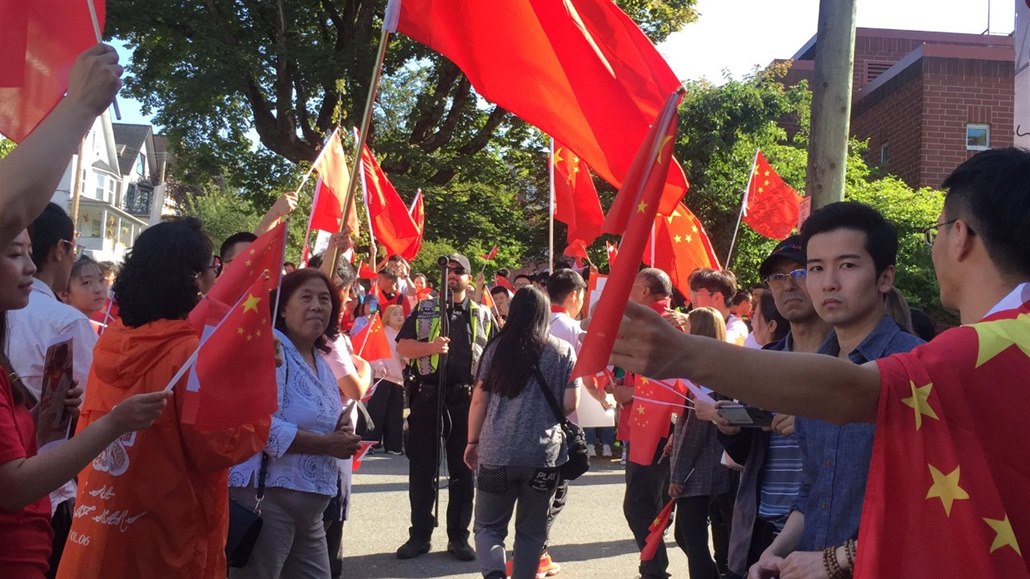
[589,539]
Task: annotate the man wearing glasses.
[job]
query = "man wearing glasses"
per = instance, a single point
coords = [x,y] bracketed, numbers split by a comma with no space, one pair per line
[46,321]
[419,340]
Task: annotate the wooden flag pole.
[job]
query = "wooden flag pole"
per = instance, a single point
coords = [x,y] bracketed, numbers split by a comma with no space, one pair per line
[366,122]
[743,205]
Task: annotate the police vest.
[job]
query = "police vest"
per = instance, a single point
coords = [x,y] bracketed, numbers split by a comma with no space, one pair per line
[427,329]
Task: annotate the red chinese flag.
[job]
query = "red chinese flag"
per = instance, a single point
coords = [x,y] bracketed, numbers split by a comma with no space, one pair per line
[575,199]
[418,217]
[772,206]
[654,403]
[680,246]
[392,224]
[265,255]
[331,189]
[503,282]
[39,42]
[656,532]
[949,479]
[490,254]
[233,382]
[371,343]
[576,249]
[360,455]
[597,345]
[612,250]
[582,72]
[366,272]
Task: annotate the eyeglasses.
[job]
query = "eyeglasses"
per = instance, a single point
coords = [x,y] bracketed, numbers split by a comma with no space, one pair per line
[76,250]
[930,233]
[778,279]
[457,270]
[216,264]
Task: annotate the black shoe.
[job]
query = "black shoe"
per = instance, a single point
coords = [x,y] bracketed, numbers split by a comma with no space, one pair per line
[461,550]
[413,548]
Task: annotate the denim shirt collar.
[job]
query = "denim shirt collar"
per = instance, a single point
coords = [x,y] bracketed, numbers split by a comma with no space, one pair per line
[875,346]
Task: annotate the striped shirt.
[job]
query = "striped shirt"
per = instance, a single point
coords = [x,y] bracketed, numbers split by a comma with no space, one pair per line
[780,479]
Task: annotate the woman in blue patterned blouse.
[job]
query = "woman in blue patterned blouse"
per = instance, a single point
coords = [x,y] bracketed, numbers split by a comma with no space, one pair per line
[309,437]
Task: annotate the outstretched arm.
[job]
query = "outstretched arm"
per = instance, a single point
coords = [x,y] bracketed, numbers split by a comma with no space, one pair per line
[29,175]
[811,385]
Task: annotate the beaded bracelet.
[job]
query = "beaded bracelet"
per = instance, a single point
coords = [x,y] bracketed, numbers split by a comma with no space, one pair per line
[850,551]
[832,566]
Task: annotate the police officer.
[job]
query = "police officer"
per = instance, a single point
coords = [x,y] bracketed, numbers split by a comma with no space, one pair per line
[471,326]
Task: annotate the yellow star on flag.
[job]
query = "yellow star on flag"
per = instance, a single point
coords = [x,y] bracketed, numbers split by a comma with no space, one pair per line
[665,141]
[641,207]
[766,182]
[761,189]
[920,402]
[640,409]
[678,239]
[766,174]
[1004,535]
[240,330]
[557,156]
[996,337]
[693,228]
[946,488]
[250,304]
[690,239]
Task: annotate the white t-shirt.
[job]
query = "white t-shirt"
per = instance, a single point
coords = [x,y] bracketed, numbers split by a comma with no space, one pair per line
[736,330]
[590,412]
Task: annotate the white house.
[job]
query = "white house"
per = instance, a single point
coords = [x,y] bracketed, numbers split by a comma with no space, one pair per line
[122,188]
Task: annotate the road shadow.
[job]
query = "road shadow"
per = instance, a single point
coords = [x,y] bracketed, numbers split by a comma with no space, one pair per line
[388,566]
[592,551]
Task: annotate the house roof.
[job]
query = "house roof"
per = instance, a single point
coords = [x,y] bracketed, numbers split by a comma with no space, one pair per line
[132,139]
[807,51]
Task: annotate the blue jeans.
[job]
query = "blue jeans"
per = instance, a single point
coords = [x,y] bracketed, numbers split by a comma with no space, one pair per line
[607,435]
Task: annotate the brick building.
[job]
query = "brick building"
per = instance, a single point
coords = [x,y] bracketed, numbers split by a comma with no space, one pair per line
[926,101]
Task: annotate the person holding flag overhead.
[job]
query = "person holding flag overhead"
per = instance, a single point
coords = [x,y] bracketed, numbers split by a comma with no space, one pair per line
[157,498]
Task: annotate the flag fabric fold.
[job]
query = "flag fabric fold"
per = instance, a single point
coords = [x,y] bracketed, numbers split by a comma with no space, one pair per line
[679,246]
[656,532]
[39,42]
[331,189]
[576,203]
[503,282]
[417,211]
[233,381]
[392,223]
[644,192]
[771,206]
[580,71]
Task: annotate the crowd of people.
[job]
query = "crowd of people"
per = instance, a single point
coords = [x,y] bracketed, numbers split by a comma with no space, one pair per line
[795,400]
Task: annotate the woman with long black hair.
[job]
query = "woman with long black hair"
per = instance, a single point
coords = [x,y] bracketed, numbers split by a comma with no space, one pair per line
[514,438]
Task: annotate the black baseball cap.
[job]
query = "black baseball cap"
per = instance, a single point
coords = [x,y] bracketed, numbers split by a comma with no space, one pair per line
[788,249]
[464,261]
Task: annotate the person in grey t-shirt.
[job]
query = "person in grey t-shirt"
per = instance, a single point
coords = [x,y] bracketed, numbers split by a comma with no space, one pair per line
[515,443]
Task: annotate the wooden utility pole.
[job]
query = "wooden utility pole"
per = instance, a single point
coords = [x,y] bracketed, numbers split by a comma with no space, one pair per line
[831,101]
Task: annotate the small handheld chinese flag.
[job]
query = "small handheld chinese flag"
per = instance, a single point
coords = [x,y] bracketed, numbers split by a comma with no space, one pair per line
[490,254]
[771,206]
[656,532]
[371,342]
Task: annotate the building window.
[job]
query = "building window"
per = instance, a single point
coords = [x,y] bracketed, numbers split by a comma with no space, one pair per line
[884,156]
[978,137]
[101,186]
[139,164]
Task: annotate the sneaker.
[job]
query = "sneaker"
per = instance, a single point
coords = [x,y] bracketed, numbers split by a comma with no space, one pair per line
[591,451]
[547,567]
[461,550]
[413,548]
[622,459]
[540,574]
[606,451]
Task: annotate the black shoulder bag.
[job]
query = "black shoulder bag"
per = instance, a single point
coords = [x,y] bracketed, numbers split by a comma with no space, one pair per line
[575,438]
[245,524]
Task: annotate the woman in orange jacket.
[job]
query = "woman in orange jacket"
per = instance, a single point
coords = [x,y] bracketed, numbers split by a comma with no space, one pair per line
[155,503]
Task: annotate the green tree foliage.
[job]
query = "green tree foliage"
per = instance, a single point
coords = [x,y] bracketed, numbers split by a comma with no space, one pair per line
[6,146]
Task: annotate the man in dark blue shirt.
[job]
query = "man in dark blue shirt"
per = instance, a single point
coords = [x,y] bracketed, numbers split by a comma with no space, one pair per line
[850,254]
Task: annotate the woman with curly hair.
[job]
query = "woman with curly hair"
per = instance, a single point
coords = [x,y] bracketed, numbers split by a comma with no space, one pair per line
[155,503]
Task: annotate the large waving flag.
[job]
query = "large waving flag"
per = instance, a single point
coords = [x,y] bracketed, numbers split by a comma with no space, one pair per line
[575,199]
[233,382]
[643,192]
[331,189]
[680,246]
[264,255]
[770,206]
[579,70]
[39,42]
[392,224]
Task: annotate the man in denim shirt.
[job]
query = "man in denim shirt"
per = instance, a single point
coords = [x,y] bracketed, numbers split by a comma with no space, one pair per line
[850,254]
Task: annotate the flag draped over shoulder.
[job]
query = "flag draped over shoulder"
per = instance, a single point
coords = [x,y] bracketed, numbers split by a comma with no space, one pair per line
[643,192]
[771,207]
[575,199]
[331,189]
[949,478]
[392,223]
[263,256]
[680,246]
[233,382]
[580,71]
[39,42]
